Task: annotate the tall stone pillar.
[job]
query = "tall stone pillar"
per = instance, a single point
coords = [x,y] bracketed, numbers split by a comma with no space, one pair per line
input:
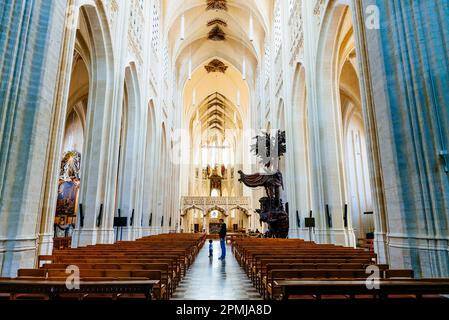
[30,42]
[405,73]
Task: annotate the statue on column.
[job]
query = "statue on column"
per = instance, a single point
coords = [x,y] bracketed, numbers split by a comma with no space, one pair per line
[270,149]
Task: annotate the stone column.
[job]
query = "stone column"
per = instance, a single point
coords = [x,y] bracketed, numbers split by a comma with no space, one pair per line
[139,221]
[149,192]
[325,128]
[101,148]
[205,222]
[30,43]
[405,74]
[58,121]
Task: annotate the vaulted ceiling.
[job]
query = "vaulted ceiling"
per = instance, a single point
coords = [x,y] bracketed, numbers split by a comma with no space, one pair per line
[216,46]
[207,22]
[216,98]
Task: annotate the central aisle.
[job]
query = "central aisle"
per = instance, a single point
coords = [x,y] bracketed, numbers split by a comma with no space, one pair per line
[212,279]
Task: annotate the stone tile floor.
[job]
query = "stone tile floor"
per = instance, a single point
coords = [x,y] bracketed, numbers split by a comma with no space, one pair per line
[212,279]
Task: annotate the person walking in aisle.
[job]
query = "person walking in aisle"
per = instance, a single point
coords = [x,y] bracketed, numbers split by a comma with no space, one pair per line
[211,249]
[222,234]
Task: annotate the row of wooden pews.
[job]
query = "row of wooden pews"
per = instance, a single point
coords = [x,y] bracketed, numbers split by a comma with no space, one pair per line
[149,268]
[232,237]
[296,269]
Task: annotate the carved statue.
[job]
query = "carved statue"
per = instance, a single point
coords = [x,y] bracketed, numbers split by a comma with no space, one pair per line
[271,209]
[275,216]
[271,183]
[70,166]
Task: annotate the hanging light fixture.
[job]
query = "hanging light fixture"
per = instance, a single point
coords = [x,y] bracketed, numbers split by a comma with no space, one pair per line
[244,59]
[190,68]
[189,71]
[251,28]
[197,116]
[183,27]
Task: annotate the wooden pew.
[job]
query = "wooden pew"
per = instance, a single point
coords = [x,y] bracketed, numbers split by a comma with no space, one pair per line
[263,277]
[162,258]
[260,268]
[273,291]
[252,262]
[53,289]
[174,269]
[114,270]
[160,291]
[269,261]
[420,288]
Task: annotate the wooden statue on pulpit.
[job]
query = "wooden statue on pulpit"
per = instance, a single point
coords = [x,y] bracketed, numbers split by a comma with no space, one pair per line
[272,210]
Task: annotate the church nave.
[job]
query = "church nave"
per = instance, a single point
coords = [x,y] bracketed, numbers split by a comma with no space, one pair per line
[213,279]
[311,136]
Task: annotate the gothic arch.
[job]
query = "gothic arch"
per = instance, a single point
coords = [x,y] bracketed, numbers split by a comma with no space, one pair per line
[301,143]
[91,44]
[150,160]
[185,210]
[330,126]
[163,176]
[94,26]
[216,208]
[245,211]
[128,136]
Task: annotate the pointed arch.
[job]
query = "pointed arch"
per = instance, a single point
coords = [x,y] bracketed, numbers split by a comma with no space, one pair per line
[301,142]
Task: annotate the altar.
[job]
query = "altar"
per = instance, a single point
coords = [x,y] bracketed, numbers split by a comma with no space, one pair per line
[204,213]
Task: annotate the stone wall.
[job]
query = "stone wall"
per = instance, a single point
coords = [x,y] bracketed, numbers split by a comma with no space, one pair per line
[30,43]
